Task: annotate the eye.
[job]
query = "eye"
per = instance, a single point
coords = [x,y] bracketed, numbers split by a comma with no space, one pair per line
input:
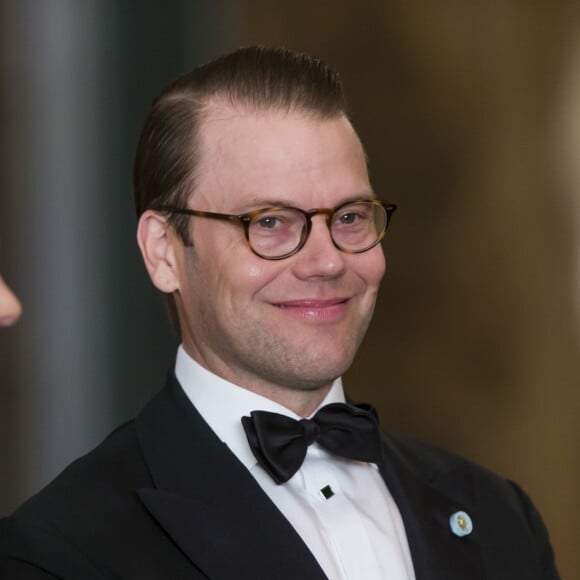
[353,216]
[277,220]
[348,218]
[268,222]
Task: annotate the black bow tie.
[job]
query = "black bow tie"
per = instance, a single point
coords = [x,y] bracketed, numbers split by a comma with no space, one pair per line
[280,443]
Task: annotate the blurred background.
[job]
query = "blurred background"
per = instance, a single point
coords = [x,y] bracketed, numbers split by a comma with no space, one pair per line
[470,113]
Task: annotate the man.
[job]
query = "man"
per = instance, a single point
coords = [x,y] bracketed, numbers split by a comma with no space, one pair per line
[258,221]
[10,308]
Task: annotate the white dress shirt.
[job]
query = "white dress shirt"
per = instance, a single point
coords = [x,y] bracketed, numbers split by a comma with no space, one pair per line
[355,532]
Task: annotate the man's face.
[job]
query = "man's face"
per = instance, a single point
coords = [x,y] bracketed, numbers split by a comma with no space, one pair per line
[292,324]
[10,308]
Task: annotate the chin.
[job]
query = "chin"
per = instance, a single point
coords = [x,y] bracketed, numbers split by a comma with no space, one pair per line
[323,367]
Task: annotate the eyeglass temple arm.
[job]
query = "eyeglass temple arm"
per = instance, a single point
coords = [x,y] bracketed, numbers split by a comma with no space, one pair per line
[198,213]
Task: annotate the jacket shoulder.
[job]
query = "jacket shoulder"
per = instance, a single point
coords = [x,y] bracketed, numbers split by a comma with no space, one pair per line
[499,499]
[81,507]
[106,471]
[430,462]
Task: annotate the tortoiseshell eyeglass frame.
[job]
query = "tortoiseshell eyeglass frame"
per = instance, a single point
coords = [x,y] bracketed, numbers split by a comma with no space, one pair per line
[245,219]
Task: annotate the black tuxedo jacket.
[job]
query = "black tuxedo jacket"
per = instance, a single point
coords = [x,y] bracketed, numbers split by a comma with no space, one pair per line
[163,498]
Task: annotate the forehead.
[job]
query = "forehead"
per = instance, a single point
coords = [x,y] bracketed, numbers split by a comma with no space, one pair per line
[289,156]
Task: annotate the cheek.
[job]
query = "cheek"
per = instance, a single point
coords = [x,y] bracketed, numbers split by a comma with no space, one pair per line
[372,269]
[381,267]
[253,271]
[245,276]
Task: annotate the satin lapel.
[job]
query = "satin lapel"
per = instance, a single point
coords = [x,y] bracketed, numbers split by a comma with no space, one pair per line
[208,502]
[426,502]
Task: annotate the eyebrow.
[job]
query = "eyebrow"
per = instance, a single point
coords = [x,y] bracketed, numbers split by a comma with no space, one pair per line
[253,204]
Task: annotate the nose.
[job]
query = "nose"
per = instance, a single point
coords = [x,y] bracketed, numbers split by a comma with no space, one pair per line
[10,308]
[319,257]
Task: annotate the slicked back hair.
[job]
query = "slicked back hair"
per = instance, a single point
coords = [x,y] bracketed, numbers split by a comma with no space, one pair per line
[255,79]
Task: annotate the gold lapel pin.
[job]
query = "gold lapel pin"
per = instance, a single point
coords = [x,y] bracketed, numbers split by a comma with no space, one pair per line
[461,524]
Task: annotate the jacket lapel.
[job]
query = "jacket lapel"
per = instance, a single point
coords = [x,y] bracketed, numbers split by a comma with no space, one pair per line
[208,502]
[426,500]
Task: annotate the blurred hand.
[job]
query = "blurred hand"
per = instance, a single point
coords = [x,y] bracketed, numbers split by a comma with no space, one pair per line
[10,307]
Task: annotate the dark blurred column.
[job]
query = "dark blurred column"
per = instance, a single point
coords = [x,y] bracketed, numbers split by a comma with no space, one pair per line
[77,79]
[53,187]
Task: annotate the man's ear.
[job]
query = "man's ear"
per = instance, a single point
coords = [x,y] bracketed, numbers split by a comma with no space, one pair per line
[157,243]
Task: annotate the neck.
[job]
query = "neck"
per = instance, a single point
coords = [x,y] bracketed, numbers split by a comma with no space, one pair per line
[301,402]
[302,399]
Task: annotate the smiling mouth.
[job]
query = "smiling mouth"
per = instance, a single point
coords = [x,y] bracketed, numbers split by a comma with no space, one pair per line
[313,304]
[322,311]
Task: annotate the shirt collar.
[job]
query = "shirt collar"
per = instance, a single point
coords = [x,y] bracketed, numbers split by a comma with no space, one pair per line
[208,392]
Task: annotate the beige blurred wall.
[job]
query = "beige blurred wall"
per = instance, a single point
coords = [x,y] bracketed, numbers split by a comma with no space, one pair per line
[462,107]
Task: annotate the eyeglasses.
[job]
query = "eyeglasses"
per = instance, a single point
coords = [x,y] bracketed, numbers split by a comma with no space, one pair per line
[278,232]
